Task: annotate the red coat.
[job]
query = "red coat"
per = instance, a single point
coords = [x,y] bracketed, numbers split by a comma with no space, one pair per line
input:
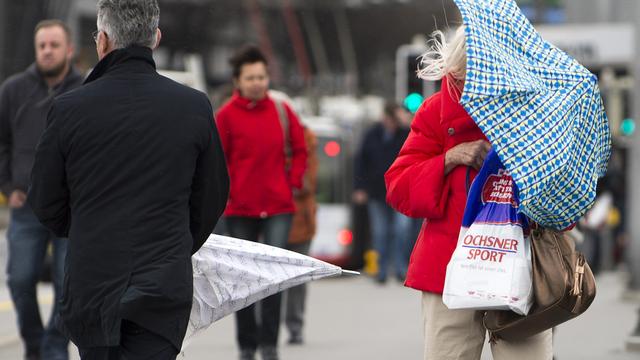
[418,187]
[253,143]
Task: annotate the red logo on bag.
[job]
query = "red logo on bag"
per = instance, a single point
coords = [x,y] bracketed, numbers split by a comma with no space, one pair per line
[498,188]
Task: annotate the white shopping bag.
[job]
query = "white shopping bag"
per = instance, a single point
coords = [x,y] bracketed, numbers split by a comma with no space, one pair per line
[491,266]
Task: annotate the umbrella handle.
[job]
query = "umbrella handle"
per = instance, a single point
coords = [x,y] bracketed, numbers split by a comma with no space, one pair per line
[349,273]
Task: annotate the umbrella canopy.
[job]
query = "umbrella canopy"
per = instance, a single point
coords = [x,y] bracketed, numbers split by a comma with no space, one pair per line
[230,274]
[540,109]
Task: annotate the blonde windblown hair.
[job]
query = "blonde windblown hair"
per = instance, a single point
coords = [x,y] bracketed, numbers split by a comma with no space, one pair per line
[445,58]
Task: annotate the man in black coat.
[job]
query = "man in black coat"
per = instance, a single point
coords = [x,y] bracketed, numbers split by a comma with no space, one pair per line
[131,169]
[25,100]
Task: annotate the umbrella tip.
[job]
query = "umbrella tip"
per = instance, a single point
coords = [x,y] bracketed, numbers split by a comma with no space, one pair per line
[350,273]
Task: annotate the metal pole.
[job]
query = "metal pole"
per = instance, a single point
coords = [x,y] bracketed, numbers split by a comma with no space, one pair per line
[3,35]
[345,40]
[634,172]
[297,41]
[540,8]
[318,49]
[633,255]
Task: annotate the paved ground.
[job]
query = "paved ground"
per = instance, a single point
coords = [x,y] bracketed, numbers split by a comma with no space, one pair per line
[353,318]
[356,319]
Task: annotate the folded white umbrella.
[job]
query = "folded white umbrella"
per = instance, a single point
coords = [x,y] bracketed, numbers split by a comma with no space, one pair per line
[230,274]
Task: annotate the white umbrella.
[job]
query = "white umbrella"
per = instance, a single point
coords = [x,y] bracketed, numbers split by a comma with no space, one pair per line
[230,274]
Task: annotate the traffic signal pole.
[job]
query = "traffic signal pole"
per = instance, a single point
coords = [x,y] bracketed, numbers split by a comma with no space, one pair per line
[410,90]
[633,190]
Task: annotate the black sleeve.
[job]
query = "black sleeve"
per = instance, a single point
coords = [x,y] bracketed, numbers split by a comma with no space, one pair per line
[49,194]
[209,189]
[6,185]
[361,165]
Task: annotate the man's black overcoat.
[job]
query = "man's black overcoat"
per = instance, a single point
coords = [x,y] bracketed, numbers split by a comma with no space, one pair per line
[131,169]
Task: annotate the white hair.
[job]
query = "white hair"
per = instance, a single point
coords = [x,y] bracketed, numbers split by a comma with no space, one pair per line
[444,58]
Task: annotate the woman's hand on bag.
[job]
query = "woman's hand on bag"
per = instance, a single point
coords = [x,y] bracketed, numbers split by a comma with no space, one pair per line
[469,154]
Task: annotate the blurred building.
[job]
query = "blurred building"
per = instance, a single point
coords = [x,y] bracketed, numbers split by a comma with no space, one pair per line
[597,11]
[330,46]
[334,46]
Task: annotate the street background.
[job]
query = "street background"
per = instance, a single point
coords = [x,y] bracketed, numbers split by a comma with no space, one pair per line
[340,60]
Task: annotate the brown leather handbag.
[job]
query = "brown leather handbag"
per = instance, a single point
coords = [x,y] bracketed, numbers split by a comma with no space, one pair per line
[563,288]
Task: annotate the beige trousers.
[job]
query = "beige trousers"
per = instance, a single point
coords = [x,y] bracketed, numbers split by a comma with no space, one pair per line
[460,335]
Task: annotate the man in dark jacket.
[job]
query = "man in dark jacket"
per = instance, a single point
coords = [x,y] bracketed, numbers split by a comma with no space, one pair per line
[389,229]
[25,100]
[132,170]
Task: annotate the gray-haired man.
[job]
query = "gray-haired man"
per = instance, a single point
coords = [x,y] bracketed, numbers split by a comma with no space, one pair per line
[132,170]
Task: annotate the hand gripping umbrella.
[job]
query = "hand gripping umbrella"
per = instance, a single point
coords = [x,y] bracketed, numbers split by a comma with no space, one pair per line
[230,274]
[540,109]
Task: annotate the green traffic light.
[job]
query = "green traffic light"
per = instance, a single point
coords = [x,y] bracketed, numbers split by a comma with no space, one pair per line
[413,101]
[628,126]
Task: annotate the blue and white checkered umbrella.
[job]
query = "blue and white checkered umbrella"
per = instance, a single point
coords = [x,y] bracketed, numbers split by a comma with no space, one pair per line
[540,109]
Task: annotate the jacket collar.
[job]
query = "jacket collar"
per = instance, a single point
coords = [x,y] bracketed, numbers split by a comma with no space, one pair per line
[117,57]
[249,104]
[450,106]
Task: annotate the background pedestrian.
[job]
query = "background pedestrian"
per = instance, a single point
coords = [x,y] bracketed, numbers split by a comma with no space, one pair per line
[25,100]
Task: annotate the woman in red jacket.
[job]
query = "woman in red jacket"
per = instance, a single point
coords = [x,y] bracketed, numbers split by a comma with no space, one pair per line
[428,180]
[256,132]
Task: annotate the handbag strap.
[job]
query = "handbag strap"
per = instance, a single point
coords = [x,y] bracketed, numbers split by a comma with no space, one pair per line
[284,122]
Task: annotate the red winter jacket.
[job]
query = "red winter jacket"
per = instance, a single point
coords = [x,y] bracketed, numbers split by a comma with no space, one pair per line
[418,187]
[253,143]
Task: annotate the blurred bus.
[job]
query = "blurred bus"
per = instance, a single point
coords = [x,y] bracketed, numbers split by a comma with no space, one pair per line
[337,240]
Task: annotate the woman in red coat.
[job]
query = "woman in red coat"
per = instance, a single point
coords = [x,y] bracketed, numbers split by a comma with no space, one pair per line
[256,132]
[428,180]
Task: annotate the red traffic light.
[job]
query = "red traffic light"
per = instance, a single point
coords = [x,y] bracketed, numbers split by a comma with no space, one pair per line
[332,148]
[345,237]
